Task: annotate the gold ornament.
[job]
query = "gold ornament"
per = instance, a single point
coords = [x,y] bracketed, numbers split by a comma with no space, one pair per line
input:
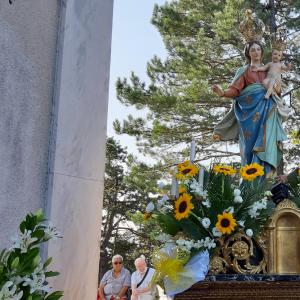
[252,28]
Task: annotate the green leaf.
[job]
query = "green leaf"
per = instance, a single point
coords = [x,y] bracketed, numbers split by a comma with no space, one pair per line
[54,296]
[36,261]
[39,215]
[26,260]
[193,230]
[15,263]
[48,262]
[51,274]
[169,224]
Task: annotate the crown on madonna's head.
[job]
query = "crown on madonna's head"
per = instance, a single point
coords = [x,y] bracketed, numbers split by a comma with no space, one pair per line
[252,28]
[278,40]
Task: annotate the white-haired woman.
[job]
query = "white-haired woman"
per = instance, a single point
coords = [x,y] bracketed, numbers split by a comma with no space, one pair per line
[115,282]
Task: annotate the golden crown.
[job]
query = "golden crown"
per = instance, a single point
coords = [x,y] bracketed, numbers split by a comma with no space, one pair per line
[252,28]
[278,40]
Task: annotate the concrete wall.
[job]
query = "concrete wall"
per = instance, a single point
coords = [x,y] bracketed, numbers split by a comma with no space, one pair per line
[27,56]
[78,156]
[54,73]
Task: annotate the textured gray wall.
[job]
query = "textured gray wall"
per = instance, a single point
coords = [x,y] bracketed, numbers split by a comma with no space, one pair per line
[27,64]
[54,75]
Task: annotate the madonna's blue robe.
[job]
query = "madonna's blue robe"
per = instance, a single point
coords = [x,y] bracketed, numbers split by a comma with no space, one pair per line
[257,123]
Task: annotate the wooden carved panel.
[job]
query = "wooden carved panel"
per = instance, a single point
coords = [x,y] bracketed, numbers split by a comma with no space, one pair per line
[236,290]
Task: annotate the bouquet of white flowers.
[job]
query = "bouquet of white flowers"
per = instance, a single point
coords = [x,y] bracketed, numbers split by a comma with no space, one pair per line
[23,275]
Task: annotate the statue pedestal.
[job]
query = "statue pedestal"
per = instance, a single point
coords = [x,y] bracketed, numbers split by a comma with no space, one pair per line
[280,246]
[236,286]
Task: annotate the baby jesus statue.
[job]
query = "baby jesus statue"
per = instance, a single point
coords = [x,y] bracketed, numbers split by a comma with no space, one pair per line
[274,69]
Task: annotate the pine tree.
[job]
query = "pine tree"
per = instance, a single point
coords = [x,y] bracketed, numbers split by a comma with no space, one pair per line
[204,48]
[127,187]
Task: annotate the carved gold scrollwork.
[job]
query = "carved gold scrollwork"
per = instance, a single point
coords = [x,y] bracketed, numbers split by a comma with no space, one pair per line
[240,254]
[217,265]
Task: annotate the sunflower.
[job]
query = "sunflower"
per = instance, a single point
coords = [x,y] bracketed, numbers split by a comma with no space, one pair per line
[224,169]
[250,172]
[183,206]
[186,170]
[226,223]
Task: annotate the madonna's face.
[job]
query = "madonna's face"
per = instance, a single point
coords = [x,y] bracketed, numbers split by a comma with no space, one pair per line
[255,53]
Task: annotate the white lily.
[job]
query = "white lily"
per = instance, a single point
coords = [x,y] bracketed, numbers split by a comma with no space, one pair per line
[51,231]
[230,210]
[23,241]
[241,223]
[197,188]
[9,292]
[37,283]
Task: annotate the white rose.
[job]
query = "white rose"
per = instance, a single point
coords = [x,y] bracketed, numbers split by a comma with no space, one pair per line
[205,222]
[236,192]
[238,199]
[216,232]
[249,232]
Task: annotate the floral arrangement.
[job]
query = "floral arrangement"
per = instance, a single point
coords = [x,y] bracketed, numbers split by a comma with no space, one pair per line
[202,207]
[23,275]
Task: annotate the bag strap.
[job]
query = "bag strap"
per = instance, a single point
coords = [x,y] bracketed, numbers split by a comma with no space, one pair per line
[143,278]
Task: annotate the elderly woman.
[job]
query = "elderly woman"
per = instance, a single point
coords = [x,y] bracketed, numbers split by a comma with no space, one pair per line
[255,121]
[115,282]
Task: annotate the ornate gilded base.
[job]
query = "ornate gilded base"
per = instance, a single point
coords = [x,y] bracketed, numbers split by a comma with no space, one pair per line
[254,290]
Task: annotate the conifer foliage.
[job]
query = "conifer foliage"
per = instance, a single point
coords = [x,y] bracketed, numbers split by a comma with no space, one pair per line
[204,48]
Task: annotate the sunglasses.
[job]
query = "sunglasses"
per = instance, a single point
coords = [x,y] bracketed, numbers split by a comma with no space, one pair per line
[118,263]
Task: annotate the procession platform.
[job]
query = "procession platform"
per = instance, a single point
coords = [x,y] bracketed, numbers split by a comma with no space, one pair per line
[236,286]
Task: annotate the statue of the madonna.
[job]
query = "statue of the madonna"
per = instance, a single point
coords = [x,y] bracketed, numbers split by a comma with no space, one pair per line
[254,120]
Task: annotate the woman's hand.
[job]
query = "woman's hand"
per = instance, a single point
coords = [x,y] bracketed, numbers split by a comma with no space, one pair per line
[218,90]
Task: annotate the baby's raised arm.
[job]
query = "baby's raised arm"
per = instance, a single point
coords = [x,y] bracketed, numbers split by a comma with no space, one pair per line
[286,67]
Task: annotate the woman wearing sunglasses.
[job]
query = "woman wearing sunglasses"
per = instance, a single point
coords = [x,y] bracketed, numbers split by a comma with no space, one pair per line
[115,282]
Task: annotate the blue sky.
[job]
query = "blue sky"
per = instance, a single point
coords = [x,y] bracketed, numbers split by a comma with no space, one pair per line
[134,42]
